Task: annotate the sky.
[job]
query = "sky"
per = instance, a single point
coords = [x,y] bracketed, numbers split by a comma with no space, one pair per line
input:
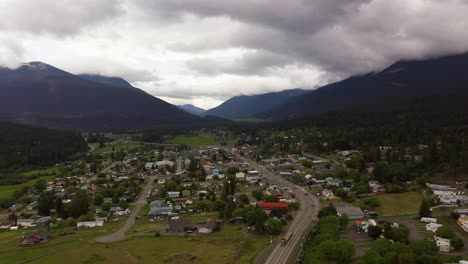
[205,51]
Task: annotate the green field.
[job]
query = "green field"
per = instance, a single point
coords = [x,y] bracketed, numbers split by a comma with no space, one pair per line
[399,203]
[127,146]
[227,246]
[7,190]
[192,140]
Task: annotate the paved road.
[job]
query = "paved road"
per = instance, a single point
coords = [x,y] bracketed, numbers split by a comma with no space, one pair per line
[120,234]
[304,219]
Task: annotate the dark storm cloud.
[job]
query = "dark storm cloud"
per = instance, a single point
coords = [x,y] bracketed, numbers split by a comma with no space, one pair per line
[251,63]
[60,18]
[342,37]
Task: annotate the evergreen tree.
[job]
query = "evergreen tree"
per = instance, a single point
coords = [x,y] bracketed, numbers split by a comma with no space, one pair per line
[425,210]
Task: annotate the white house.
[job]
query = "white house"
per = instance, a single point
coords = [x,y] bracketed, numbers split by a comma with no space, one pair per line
[442,243]
[173,194]
[149,165]
[433,227]
[90,223]
[164,163]
[428,220]
[25,223]
[240,175]
[327,193]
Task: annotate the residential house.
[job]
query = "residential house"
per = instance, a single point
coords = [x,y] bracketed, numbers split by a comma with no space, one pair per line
[433,227]
[333,181]
[207,227]
[149,165]
[179,225]
[186,193]
[43,221]
[173,194]
[95,223]
[164,163]
[443,244]
[327,193]
[26,223]
[36,238]
[353,213]
[270,205]
[376,187]
[6,224]
[240,176]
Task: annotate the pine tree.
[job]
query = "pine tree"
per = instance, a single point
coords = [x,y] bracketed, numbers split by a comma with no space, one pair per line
[425,210]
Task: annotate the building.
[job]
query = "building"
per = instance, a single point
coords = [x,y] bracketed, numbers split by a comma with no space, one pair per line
[164,163]
[25,223]
[333,182]
[95,223]
[271,205]
[207,227]
[43,221]
[179,225]
[173,194]
[433,227]
[327,193]
[443,244]
[35,238]
[6,224]
[353,213]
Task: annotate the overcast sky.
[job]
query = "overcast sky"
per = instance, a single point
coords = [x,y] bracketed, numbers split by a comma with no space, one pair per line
[206,51]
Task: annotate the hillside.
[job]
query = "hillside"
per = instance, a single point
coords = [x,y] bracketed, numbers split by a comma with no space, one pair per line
[250,105]
[192,109]
[38,93]
[438,83]
[26,145]
[115,81]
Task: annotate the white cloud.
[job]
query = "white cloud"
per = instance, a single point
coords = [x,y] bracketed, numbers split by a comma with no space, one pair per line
[206,51]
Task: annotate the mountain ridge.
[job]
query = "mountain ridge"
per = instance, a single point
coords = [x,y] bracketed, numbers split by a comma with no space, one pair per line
[244,106]
[38,93]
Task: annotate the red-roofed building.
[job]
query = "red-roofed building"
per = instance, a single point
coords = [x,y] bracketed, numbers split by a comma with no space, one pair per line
[271,205]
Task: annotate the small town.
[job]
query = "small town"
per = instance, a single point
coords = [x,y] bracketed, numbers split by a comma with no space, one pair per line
[123,189]
[233,132]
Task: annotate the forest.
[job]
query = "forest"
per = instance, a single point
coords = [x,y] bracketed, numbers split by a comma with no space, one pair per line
[23,147]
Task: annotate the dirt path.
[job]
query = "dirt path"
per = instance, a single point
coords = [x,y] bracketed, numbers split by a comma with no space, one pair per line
[120,234]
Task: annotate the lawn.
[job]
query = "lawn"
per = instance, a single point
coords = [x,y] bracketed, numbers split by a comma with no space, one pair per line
[226,246]
[48,174]
[192,140]
[399,203]
[126,145]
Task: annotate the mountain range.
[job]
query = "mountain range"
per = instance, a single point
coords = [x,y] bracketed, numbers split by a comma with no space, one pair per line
[38,93]
[437,83]
[431,84]
[251,105]
[192,109]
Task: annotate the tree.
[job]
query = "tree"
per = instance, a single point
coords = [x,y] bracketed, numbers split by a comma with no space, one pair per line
[45,203]
[374,232]
[457,243]
[273,227]
[79,204]
[60,208]
[98,199]
[425,209]
[40,185]
[445,232]
[258,194]
[13,217]
[106,207]
[327,211]
[232,170]
[244,198]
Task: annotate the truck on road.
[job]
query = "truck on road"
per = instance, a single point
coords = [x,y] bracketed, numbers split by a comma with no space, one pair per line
[286,238]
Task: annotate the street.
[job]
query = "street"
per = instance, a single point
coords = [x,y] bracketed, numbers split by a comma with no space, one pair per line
[306,215]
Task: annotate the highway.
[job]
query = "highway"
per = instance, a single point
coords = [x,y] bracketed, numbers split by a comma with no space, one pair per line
[305,217]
